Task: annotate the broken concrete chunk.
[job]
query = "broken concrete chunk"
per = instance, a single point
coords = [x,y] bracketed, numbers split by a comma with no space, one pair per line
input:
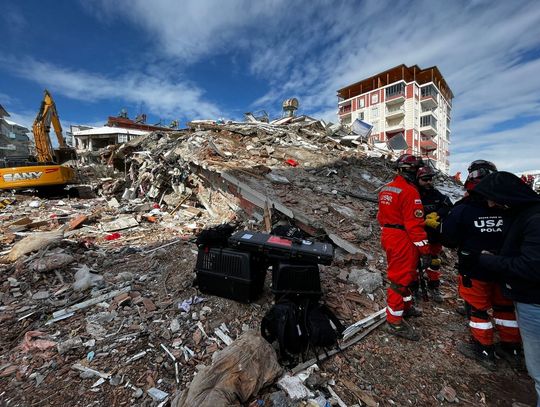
[120,224]
[366,280]
[41,295]
[156,394]
[113,203]
[448,394]
[175,326]
[294,387]
[276,178]
[66,346]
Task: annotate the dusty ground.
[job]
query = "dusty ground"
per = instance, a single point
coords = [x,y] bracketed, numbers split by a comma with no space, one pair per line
[390,370]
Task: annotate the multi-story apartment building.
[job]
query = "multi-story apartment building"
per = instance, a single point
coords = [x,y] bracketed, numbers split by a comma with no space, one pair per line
[14,140]
[410,101]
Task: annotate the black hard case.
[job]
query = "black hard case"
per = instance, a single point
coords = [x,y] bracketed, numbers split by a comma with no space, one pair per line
[230,274]
[282,248]
[294,279]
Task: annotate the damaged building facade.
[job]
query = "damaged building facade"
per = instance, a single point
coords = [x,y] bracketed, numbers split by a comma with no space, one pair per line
[118,129]
[14,140]
[409,101]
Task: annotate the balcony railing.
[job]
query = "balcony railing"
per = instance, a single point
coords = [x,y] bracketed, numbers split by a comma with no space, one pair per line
[395,112]
[395,125]
[344,110]
[428,96]
[428,125]
[428,144]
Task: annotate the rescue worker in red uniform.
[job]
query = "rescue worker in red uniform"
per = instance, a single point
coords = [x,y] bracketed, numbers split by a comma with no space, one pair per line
[404,240]
[436,207]
[473,227]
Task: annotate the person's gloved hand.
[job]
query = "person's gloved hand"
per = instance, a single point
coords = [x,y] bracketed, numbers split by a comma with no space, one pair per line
[467,266]
[468,262]
[432,220]
[435,263]
[425,261]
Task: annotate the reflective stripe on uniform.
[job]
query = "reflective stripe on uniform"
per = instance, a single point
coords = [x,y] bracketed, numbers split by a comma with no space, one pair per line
[421,243]
[481,325]
[506,322]
[408,298]
[391,189]
[394,313]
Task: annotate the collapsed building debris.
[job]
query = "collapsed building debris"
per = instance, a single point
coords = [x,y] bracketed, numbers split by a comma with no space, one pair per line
[97,298]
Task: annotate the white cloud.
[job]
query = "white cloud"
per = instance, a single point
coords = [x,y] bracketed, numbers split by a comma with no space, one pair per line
[487,50]
[190,29]
[162,97]
[5,99]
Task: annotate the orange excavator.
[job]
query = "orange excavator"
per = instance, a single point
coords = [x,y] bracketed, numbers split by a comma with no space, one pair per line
[43,172]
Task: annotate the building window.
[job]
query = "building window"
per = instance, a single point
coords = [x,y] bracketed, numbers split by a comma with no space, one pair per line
[375,98]
[361,115]
[429,91]
[374,113]
[361,102]
[123,138]
[428,120]
[395,90]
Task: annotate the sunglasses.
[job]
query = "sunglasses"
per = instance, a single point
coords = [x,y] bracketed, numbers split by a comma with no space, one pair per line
[427,179]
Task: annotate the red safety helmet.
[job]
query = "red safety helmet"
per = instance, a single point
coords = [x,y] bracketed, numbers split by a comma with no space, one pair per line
[477,171]
[425,172]
[408,164]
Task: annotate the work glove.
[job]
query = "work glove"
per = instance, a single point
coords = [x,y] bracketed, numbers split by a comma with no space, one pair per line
[467,266]
[425,261]
[432,220]
[435,263]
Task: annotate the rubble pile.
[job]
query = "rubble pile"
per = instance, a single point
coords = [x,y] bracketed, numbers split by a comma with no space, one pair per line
[96,295]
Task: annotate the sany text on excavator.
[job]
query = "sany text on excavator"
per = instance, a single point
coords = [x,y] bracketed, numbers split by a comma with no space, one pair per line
[43,172]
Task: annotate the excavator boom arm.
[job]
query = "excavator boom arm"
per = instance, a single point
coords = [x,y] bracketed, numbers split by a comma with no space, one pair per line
[42,125]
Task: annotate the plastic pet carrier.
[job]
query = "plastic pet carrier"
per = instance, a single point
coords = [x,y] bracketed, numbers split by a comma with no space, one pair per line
[230,274]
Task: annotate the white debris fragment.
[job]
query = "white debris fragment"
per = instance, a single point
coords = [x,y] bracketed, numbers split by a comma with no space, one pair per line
[156,394]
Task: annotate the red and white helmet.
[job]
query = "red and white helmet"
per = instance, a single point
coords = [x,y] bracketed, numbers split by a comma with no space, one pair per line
[408,165]
[425,172]
[477,171]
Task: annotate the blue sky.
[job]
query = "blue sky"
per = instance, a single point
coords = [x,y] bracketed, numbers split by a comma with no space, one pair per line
[209,59]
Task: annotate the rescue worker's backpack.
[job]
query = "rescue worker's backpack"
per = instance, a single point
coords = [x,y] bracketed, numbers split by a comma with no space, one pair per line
[284,322]
[322,326]
[216,236]
[298,326]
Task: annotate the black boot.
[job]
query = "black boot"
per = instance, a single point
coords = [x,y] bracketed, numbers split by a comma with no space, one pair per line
[464,310]
[403,330]
[484,355]
[412,312]
[435,292]
[512,353]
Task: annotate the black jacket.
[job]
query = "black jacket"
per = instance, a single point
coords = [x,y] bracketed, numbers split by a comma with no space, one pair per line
[518,261]
[434,201]
[473,226]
